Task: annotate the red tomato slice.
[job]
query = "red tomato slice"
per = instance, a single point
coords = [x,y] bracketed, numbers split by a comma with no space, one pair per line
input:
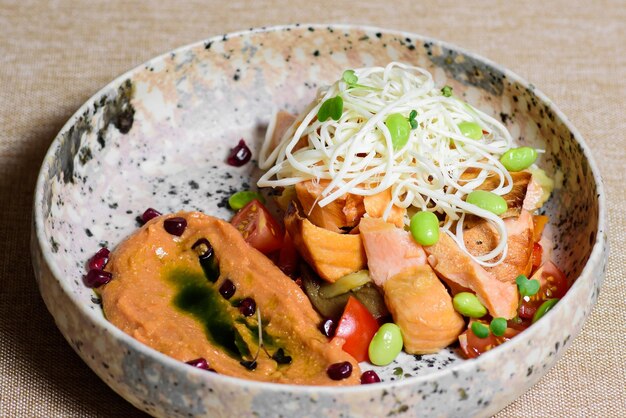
[258,227]
[473,346]
[288,257]
[356,327]
[553,283]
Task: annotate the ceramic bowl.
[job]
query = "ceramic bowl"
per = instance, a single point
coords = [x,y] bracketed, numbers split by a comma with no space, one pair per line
[158,137]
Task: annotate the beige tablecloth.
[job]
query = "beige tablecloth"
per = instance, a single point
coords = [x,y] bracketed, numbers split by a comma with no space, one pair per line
[55,54]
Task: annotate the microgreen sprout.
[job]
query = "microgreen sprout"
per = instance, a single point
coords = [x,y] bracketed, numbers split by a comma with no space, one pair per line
[480,330]
[446,91]
[412,120]
[498,326]
[331,108]
[350,78]
[527,287]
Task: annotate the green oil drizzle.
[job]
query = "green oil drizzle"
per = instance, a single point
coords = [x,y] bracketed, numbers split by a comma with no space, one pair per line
[198,298]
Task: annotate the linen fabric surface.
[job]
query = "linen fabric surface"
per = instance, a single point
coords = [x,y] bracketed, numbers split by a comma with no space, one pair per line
[55,54]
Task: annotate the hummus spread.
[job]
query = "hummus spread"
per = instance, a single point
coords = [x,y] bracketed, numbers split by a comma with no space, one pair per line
[162,296]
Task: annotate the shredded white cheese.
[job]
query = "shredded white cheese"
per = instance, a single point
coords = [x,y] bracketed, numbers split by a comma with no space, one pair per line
[355,153]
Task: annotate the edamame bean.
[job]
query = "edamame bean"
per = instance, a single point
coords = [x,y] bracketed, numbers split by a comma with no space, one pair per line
[425,228]
[480,330]
[399,128]
[386,344]
[471,130]
[518,159]
[498,326]
[241,199]
[488,201]
[545,307]
[467,304]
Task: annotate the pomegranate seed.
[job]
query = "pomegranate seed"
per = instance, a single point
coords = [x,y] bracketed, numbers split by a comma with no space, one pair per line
[328,328]
[149,214]
[227,289]
[368,377]
[96,278]
[247,307]
[339,371]
[200,363]
[175,226]
[239,155]
[202,246]
[99,260]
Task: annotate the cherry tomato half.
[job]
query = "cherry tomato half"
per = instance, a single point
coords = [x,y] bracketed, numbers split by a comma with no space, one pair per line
[473,346]
[356,327]
[258,227]
[553,283]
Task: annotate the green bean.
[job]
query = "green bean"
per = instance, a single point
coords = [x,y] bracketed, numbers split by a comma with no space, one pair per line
[399,128]
[488,201]
[544,308]
[386,344]
[471,130]
[467,304]
[241,199]
[518,159]
[425,228]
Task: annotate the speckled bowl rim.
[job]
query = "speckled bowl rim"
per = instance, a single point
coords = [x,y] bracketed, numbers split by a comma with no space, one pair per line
[100,321]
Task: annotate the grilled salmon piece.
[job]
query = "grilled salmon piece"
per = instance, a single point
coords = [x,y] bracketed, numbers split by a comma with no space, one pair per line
[422,308]
[460,271]
[340,213]
[376,205]
[514,198]
[389,250]
[330,254]
[483,238]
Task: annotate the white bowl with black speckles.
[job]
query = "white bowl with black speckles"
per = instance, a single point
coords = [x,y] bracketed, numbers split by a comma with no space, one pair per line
[158,137]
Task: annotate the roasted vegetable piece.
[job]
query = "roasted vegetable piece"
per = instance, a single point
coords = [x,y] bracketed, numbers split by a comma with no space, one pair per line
[288,259]
[356,327]
[368,294]
[472,346]
[422,307]
[330,254]
[553,284]
[539,224]
[345,284]
[258,227]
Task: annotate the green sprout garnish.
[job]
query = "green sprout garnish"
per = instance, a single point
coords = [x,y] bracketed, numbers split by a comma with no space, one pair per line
[446,91]
[350,78]
[331,108]
[527,287]
[412,120]
[480,330]
[498,326]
